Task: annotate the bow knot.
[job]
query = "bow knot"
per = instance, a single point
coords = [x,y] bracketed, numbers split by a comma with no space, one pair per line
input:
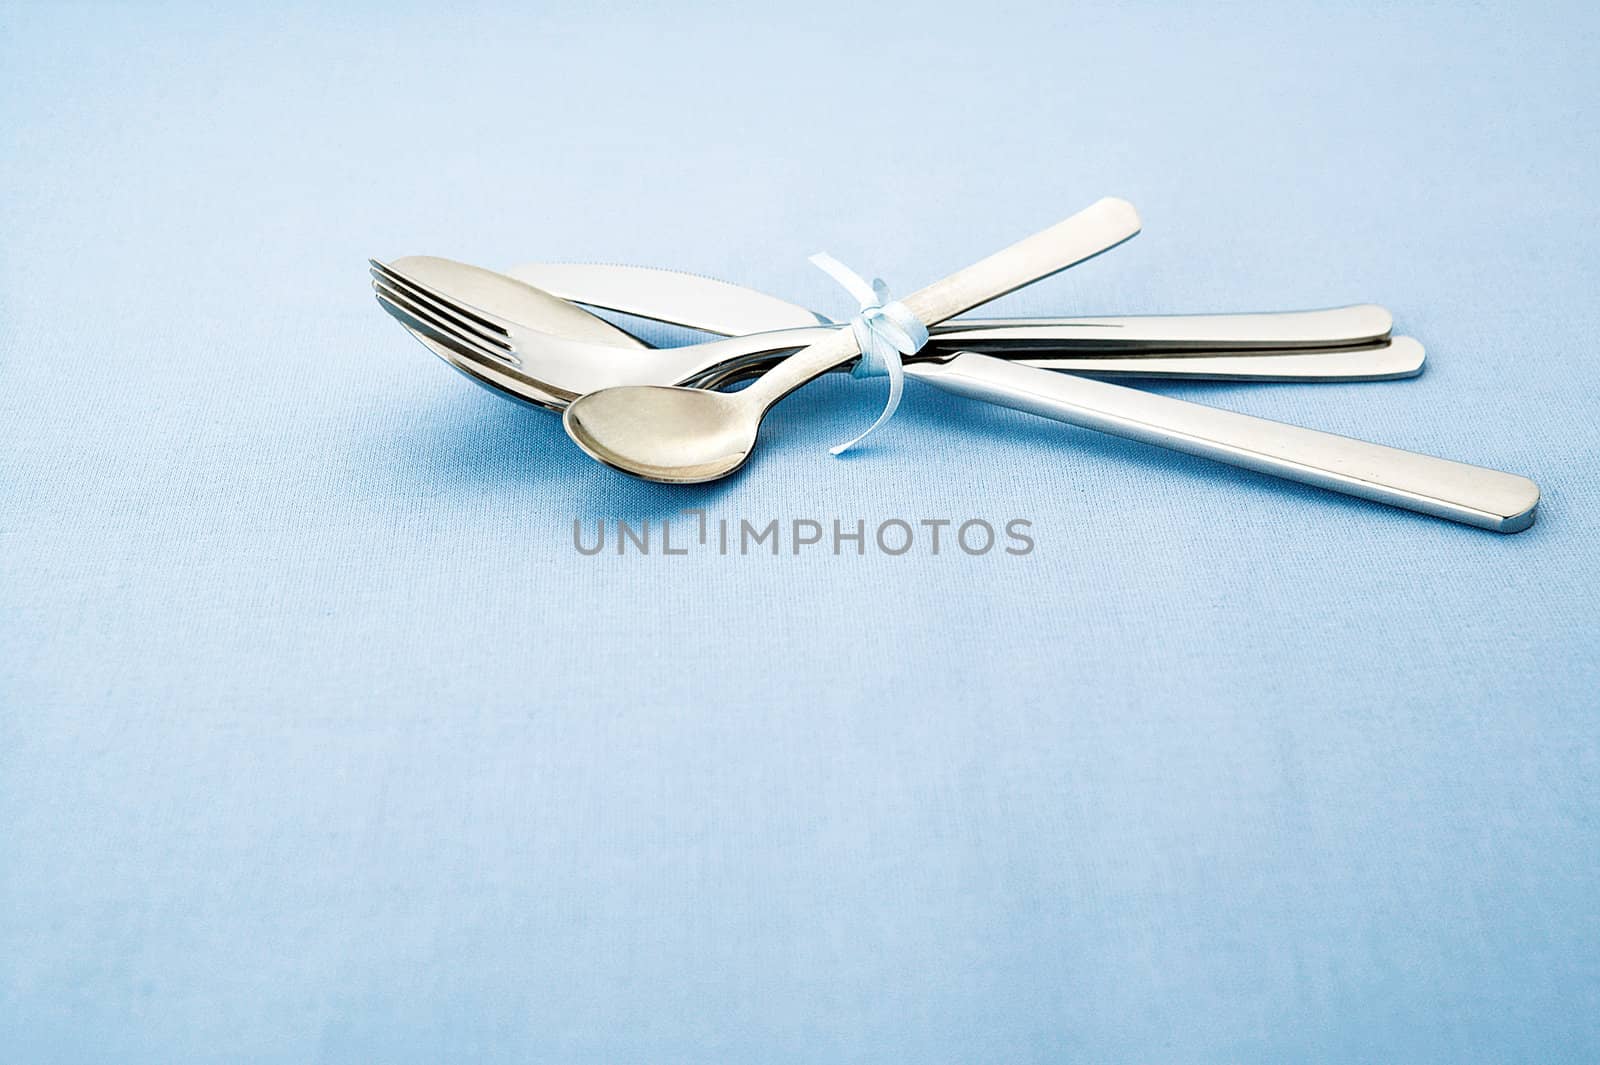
[885,329]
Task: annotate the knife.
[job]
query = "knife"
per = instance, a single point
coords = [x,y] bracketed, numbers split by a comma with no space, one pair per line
[733,310]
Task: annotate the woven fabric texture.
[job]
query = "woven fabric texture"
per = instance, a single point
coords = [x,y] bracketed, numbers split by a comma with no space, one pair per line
[320,740]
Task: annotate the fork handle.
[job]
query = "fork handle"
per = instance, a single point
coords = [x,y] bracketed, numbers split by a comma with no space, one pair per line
[1094,229]
[1473,495]
[1333,327]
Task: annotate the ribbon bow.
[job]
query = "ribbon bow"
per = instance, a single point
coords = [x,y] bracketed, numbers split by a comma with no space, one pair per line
[884,330]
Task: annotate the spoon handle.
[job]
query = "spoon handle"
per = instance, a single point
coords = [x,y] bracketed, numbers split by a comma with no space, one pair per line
[1095,229]
[1472,495]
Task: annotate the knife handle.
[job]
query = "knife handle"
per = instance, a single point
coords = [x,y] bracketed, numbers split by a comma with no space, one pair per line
[1456,491]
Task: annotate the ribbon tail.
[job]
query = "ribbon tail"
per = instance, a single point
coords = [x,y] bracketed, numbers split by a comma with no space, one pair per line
[884,330]
[847,278]
[897,382]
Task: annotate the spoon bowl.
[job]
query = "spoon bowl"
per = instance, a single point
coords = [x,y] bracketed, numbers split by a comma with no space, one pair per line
[689,435]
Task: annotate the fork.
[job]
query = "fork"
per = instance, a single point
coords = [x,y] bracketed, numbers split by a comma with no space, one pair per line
[586,359]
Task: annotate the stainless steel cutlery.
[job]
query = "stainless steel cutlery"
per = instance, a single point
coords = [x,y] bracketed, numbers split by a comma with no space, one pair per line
[538,347]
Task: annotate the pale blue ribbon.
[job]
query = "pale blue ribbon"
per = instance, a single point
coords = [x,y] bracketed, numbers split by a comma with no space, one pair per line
[884,330]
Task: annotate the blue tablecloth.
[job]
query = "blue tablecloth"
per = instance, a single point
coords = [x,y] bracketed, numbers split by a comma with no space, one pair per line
[321,742]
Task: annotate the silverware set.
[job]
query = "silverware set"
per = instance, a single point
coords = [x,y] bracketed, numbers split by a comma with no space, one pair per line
[659,413]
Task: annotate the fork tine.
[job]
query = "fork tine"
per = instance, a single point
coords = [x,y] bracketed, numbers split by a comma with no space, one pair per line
[457,347]
[464,317]
[441,327]
[487,320]
[486,371]
[410,321]
[443,317]
[482,317]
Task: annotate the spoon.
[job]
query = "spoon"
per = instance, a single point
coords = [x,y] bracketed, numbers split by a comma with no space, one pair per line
[687,436]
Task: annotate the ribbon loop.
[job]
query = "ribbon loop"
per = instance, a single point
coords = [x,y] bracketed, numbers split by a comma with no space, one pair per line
[885,329]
